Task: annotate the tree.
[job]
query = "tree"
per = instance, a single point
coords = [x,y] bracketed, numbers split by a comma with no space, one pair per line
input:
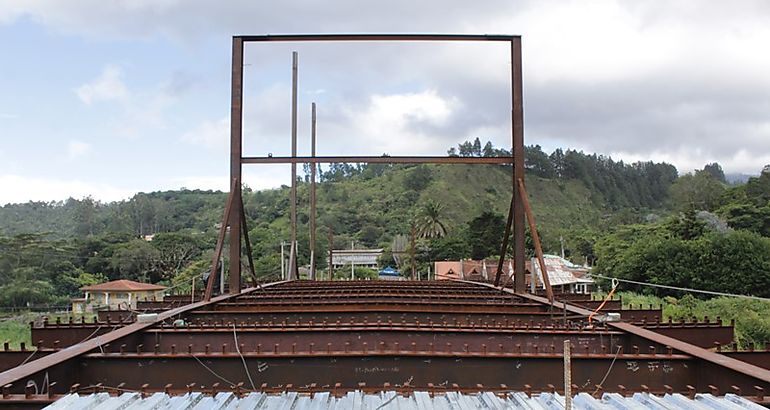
[429,221]
[418,179]
[699,190]
[485,234]
[715,171]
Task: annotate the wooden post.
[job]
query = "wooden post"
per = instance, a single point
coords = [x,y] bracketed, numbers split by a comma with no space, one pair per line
[567,375]
[312,194]
[411,250]
[293,273]
[331,253]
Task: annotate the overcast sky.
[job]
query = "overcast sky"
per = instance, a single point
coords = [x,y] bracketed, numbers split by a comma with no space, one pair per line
[108,98]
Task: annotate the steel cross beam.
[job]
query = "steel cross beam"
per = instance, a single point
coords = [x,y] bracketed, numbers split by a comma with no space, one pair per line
[517,133]
[712,360]
[42,364]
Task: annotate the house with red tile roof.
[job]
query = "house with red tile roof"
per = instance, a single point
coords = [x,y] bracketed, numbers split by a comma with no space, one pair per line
[116,294]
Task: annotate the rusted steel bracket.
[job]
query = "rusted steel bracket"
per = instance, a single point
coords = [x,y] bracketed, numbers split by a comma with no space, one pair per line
[220,242]
[42,364]
[536,240]
[249,257]
[711,358]
[504,247]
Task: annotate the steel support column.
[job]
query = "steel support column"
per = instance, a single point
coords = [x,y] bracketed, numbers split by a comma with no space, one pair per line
[517,119]
[236,139]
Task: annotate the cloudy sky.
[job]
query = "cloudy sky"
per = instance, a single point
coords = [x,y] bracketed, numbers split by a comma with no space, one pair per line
[108,98]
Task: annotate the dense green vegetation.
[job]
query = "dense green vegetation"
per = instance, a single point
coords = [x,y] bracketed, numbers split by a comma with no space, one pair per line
[752,323]
[636,221]
[49,250]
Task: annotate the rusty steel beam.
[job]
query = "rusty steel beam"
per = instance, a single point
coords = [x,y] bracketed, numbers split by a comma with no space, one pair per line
[517,149]
[504,247]
[236,152]
[221,239]
[708,360]
[378,160]
[61,358]
[376,37]
[247,242]
[536,240]
[377,339]
[375,369]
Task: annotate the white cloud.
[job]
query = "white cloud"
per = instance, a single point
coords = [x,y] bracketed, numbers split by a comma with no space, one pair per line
[108,86]
[17,188]
[398,123]
[76,149]
[210,134]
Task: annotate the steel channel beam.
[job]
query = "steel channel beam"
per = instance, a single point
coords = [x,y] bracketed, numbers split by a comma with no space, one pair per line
[12,358]
[378,160]
[60,360]
[729,368]
[236,168]
[418,370]
[381,339]
[376,37]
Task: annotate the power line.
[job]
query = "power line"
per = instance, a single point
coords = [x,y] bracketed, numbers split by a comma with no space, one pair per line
[707,292]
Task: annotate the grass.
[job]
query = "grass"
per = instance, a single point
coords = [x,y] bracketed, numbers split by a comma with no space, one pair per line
[752,317]
[15,330]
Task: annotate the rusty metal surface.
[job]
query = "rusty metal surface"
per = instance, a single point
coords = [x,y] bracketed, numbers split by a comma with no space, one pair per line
[378,160]
[441,341]
[61,357]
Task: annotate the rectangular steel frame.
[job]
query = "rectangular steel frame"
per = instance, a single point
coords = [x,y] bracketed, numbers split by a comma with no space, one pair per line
[236,136]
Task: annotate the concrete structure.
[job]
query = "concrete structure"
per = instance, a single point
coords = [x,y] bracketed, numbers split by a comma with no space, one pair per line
[366,258]
[117,294]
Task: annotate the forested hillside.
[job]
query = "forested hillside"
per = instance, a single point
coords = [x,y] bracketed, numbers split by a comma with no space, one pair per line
[49,250]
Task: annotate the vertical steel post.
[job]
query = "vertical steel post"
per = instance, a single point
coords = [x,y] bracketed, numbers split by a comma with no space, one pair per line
[236,140]
[517,120]
[293,252]
[312,193]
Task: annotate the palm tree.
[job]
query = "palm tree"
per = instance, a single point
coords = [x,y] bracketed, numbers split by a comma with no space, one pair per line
[429,220]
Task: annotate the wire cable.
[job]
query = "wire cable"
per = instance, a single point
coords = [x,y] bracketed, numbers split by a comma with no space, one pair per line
[707,292]
[609,296]
[212,372]
[601,384]
[238,349]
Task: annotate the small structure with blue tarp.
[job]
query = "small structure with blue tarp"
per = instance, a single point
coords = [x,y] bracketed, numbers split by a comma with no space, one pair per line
[389,273]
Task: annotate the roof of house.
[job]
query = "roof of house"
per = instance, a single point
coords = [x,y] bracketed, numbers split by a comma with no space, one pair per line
[123,285]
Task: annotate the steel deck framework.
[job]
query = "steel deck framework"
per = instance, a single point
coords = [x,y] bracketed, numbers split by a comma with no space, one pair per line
[426,335]
[311,336]
[236,136]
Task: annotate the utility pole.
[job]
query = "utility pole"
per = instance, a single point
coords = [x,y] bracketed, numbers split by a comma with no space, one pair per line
[283,261]
[312,193]
[561,242]
[331,253]
[292,274]
[411,250]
